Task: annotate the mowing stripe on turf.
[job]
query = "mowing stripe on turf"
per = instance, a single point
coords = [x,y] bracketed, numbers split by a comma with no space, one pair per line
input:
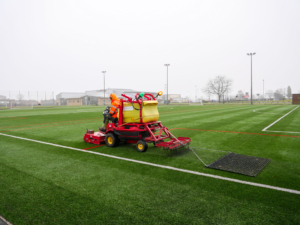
[165,167]
[59,125]
[44,114]
[67,121]
[265,129]
[13,118]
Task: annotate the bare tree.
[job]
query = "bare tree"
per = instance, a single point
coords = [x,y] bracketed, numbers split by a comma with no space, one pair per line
[20,97]
[269,93]
[218,86]
[278,95]
[289,92]
[208,95]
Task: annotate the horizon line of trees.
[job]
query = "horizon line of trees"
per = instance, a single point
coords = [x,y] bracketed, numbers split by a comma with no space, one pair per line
[279,94]
[221,87]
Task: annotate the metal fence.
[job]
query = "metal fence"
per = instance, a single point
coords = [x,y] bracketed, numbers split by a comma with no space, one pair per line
[15,99]
[237,102]
[255,102]
[30,99]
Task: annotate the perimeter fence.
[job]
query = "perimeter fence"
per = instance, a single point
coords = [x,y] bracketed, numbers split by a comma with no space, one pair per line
[255,102]
[26,99]
[269,102]
[29,99]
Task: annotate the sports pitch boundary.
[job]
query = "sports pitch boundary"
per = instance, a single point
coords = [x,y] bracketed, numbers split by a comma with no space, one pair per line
[165,167]
[265,129]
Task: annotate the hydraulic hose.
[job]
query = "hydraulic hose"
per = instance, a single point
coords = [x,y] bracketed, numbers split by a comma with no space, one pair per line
[142,105]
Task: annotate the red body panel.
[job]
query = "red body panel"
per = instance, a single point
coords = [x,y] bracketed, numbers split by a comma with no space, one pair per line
[94,138]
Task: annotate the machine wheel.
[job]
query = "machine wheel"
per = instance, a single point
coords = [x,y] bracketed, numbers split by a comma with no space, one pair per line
[112,140]
[141,146]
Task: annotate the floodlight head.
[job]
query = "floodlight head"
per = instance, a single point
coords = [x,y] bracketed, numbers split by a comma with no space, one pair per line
[254,53]
[167,64]
[103,71]
[248,54]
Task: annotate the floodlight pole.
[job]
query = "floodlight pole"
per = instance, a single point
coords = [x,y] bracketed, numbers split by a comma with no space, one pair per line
[251,73]
[9,102]
[167,65]
[264,90]
[104,87]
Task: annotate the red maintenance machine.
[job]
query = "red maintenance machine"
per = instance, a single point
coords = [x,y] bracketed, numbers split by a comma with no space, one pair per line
[137,124]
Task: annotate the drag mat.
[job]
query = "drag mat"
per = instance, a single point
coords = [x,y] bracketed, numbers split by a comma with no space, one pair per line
[241,164]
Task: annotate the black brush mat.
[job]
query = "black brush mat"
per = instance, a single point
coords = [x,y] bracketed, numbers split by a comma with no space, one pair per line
[242,164]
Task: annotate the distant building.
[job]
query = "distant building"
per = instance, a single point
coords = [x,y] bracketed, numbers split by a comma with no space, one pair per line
[175,98]
[61,98]
[95,97]
[296,99]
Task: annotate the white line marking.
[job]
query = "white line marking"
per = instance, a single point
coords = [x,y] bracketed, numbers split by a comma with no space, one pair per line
[283,131]
[279,119]
[165,167]
[5,221]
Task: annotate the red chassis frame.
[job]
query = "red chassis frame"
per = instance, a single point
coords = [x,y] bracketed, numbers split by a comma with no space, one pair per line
[153,132]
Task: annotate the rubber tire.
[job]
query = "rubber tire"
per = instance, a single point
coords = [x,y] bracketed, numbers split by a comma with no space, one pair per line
[114,140]
[141,146]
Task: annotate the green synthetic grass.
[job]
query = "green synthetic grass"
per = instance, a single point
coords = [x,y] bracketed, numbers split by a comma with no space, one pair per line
[42,184]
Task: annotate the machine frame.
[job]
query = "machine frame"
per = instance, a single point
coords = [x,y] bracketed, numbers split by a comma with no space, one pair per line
[136,133]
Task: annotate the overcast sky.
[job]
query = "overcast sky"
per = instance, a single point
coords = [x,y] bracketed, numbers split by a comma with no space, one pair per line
[63,46]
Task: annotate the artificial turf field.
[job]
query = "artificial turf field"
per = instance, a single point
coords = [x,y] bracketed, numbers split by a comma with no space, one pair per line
[47,184]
